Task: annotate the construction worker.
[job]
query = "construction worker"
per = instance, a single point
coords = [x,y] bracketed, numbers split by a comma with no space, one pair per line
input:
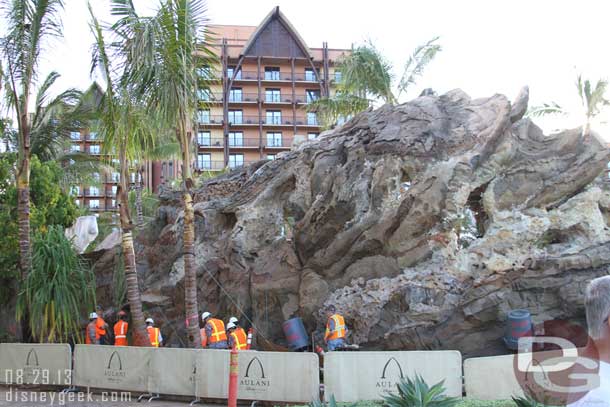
[214,331]
[237,336]
[335,330]
[154,334]
[102,327]
[91,334]
[120,330]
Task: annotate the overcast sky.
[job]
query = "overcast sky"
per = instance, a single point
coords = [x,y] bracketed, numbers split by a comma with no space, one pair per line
[489,46]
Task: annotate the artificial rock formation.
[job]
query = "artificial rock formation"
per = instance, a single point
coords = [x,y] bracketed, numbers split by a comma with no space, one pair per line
[423,223]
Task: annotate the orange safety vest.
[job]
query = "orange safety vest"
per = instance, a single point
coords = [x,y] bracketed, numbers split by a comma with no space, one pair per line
[120,333]
[204,338]
[99,326]
[339,330]
[153,335]
[91,326]
[218,331]
[239,338]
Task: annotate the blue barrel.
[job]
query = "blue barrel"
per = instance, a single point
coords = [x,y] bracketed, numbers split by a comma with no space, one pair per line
[294,330]
[518,324]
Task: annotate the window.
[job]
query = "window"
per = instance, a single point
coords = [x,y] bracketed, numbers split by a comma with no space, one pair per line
[235,95]
[312,136]
[312,95]
[338,76]
[95,176]
[230,71]
[75,148]
[204,72]
[113,203]
[74,135]
[203,95]
[94,191]
[170,171]
[93,135]
[272,73]
[236,116]
[203,116]
[272,95]
[273,117]
[77,202]
[204,161]
[203,138]
[115,177]
[114,189]
[95,149]
[274,139]
[271,157]
[132,177]
[94,203]
[236,160]
[310,75]
[236,139]
[312,120]
[75,190]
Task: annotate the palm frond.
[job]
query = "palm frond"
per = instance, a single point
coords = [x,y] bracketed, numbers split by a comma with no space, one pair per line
[417,63]
[329,110]
[545,109]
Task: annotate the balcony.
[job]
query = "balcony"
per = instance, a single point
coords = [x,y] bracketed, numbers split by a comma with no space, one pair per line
[267,76]
[243,142]
[210,142]
[209,120]
[219,165]
[243,98]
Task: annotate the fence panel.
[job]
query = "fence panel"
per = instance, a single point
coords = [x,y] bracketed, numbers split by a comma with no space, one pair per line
[173,371]
[353,376]
[23,363]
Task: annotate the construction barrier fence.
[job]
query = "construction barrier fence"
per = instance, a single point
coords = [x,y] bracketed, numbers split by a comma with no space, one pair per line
[41,364]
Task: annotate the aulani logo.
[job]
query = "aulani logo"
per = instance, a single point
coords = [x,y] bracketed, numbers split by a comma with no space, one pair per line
[32,358]
[386,382]
[255,379]
[114,368]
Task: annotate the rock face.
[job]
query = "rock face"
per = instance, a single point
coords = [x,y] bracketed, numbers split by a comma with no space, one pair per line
[422,223]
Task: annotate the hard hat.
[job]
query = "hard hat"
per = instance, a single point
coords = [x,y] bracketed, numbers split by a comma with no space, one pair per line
[205,315]
[149,321]
[230,325]
[93,315]
[233,320]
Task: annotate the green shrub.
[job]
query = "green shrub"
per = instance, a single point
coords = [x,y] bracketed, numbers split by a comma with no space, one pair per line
[417,393]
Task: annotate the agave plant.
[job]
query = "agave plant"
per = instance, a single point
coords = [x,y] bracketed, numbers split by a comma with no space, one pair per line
[416,393]
[529,401]
[318,403]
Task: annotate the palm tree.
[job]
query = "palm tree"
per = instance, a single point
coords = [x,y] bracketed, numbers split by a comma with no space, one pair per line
[30,24]
[126,131]
[592,100]
[164,53]
[365,77]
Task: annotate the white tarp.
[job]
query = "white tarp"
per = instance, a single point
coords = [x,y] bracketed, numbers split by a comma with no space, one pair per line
[173,371]
[491,378]
[112,367]
[22,363]
[278,376]
[354,376]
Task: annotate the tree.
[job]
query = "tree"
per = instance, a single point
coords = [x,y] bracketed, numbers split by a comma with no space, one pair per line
[30,24]
[164,53]
[592,101]
[365,77]
[126,131]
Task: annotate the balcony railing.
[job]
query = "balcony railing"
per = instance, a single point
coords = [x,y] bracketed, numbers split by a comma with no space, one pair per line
[275,76]
[210,142]
[219,165]
[210,120]
[268,121]
[253,98]
[243,97]
[248,142]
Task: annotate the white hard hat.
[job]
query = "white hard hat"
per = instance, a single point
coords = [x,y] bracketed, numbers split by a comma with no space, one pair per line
[149,321]
[233,320]
[230,325]
[205,315]
[93,315]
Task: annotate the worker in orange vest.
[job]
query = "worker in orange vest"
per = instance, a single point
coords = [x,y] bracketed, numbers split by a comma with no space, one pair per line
[154,334]
[120,330]
[91,334]
[335,330]
[237,336]
[214,331]
[101,327]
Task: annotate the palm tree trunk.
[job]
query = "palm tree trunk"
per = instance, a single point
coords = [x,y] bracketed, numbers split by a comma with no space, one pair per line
[188,240]
[23,210]
[139,211]
[140,334]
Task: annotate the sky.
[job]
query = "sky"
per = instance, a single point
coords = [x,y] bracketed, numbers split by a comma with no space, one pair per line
[489,46]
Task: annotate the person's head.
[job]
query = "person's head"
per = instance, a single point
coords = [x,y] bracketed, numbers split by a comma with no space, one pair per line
[92,316]
[331,310]
[597,306]
[234,320]
[231,326]
[205,316]
[122,315]
[149,321]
